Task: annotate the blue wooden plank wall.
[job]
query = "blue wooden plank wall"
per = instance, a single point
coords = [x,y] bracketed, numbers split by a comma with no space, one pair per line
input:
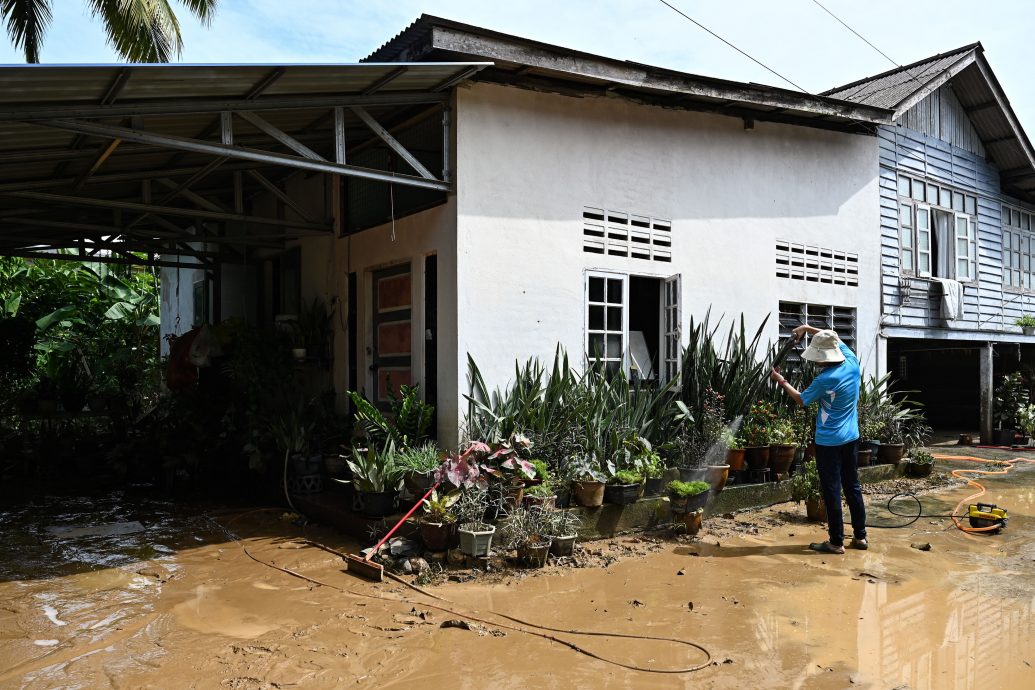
[988,307]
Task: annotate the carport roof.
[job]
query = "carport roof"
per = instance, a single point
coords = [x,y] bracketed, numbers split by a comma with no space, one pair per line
[79,143]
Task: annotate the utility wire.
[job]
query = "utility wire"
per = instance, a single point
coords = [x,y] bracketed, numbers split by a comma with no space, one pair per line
[705,28]
[863,39]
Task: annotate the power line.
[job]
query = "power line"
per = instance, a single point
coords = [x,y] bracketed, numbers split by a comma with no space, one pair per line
[757,62]
[863,39]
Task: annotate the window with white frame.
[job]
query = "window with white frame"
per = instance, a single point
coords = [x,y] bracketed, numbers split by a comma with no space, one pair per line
[937,230]
[822,316]
[606,299]
[1018,248]
[633,324]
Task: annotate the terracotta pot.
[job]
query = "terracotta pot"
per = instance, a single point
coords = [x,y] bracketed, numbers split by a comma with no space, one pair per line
[757,457]
[688,504]
[864,457]
[735,459]
[917,469]
[692,521]
[513,495]
[622,494]
[563,546]
[588,494]
[890,453]
[815,510]
[780,458]
[873,446]
[541,502]
[717,476]
[437,535]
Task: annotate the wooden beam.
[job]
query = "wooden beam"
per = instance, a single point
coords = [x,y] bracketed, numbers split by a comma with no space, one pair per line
[104,154]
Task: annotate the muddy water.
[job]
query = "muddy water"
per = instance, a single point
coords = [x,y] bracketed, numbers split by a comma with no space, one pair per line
[178,603]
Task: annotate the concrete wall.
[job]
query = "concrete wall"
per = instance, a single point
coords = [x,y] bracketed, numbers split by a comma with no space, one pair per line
[176,287]
[529,162]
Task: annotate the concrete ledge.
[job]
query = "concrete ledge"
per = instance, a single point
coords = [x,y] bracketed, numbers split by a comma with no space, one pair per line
[609,520]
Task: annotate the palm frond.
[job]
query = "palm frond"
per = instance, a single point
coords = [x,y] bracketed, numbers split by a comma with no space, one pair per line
[27,22]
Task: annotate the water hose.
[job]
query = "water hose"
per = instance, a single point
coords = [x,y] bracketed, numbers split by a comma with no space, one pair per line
[468,616]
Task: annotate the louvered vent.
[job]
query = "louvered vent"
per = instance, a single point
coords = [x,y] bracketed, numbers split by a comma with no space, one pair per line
[816,264]
[628,235]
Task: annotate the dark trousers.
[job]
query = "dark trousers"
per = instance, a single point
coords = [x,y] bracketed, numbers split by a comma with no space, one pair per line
[839,468]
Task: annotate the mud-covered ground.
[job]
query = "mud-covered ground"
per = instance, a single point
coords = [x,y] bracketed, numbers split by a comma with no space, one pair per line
[173,596]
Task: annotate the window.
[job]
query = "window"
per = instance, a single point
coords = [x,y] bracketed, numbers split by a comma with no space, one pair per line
[937,231]
[633,324]
[816,264]
[1018,247]
[624,234]
[606,297]
[792,314]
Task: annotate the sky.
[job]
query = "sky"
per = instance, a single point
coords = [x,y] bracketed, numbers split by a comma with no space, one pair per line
[794,37]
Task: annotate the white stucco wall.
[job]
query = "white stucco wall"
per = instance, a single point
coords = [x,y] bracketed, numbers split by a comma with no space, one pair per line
[527,164]
[177,305]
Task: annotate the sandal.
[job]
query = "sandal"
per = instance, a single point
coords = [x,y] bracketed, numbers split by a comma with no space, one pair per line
[860,544]
[826,547]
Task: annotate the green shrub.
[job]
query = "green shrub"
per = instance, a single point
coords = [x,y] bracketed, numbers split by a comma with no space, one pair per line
[1026,321]
[687,489]
[627,477]
[921,457]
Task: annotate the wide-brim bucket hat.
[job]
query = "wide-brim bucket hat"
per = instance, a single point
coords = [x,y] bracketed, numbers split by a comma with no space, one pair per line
[823,348]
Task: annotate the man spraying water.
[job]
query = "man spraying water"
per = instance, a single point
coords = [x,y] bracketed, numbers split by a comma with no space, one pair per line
[836,389]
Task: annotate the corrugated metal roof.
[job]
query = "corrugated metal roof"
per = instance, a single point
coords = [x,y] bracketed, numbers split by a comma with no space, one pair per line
[889,89]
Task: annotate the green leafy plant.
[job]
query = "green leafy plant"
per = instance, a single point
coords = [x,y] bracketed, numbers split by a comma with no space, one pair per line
[564,523]
[1010,395]
[921,457]
[437,507]
[544,490]
[471,506]
[542,470]
[1026,418]
[524,527]
[1025,321]
[686,489]
[805,484]
[422,458]
[405,425]
[758,427]
[626,477]
[375,470]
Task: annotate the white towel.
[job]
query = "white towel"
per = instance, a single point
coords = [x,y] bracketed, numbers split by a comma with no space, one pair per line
[952,299]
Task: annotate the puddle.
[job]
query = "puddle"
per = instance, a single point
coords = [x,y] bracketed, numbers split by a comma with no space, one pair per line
[178,599]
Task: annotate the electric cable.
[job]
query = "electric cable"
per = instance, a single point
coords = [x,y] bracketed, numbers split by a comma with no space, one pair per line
[471,617]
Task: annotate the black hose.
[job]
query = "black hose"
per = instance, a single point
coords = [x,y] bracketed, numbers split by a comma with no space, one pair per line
[912,517]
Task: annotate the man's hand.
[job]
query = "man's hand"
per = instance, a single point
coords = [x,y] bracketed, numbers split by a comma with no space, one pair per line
[801,330]
[775,374]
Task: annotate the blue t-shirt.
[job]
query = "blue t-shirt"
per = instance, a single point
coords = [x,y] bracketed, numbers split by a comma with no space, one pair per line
[837,390]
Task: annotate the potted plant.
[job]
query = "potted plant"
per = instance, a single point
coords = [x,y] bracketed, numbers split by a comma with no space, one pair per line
[1027,324]
[756,435]
[919,464]
[805,486]
[419,464]
[781,447]
[653,475]
[734,450]
[297,339]
[528,532]
[1026,419]
[1010,395]
[624,487]
[377,479]
[475,534]
[314,327]
[692,520]
[564,530]
[588,487]
[541,496]
[438,523]
[687,497]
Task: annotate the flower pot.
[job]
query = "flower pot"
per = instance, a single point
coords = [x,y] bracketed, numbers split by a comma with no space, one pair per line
[688,504]
[919,469]
[864,456]
[1000,437]
[757,457]
[735,459]
[693,474]
[622,494]
[534,554]
[299,464]
[653,486]
[781,455]
[476,538]
[334,465]
[1028,330]
[692,521]
[298,353]
[563,546]
[563,497]
[375,504]
[890,453]
[588,494]
[541,502]
[873,445]
[815,510]
[418,483]
[716,477]
[437,535]
[512,495]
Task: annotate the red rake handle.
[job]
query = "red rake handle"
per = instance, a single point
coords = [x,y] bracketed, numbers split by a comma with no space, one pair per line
[399,524]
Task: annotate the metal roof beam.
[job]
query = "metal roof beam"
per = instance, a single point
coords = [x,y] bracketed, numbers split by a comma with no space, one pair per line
[265,157]
[102,156]
[280,194]
[385,80]
[123,260]
[62,199]
[280,135]
[183,106]
[393,143]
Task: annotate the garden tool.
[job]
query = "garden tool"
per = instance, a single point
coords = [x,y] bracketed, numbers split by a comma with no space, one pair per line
[366,568]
